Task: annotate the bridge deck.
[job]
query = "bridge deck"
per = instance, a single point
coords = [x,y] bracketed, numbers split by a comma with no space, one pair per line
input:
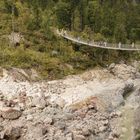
[127,47]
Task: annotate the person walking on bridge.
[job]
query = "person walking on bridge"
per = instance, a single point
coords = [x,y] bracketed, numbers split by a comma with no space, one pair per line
[62,31]
[133,45]
[65,33]
[105,43]
[78,38]
[119,45]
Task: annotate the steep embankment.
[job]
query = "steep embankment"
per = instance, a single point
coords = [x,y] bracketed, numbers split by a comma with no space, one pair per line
[98,104]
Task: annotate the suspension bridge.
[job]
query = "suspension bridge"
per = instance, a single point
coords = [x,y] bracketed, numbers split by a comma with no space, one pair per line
[104,45]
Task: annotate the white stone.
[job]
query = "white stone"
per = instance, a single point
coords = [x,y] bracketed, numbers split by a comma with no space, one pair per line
[30,118]
[48,120]
[102,128]
[119,113]
[69,136]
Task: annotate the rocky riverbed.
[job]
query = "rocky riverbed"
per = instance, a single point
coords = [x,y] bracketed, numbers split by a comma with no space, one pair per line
[101,104]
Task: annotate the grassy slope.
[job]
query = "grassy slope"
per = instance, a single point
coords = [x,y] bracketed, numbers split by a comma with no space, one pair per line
[50,55]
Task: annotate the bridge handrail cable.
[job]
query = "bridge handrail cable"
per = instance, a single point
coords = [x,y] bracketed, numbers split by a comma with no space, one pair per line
[99,44]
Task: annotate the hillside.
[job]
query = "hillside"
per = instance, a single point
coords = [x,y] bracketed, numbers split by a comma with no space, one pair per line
[55,88]
[54,57]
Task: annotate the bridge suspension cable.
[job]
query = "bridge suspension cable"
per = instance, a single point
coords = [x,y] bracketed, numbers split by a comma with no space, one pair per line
[104,45]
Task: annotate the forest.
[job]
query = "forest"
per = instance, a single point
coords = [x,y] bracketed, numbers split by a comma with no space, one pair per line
[110,20]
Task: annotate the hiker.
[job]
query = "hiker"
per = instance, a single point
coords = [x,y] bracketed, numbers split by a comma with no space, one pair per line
[133,45]
[64,33]
[78,38]
[89,41]
[105,43]
[119,44]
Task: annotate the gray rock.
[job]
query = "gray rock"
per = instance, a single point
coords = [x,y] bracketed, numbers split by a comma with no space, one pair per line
[39,102]
[69,136]
[11,114]
[85,131]
[137,124]
[68,116]
[60,102]
[79,137]
[48,120]
[30,118]
[128,86]
[115,134]
[136,64]
[15,38]
[134,98]
[124,71]
[137,93]
[119,113]
[111,66]
[104,122]
[61,125]
[35,132]
[121,94]
[117,101]
[102,128]
[12,133]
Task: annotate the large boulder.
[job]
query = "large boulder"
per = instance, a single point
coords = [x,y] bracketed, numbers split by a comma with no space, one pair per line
[15,38]
[39,101]
[137,124]
[123,71]
[136,64]
[9,113]
[116,98]
[11,133]
[134,99]
[128,87]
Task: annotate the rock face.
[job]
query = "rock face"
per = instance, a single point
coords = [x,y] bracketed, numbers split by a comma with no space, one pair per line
[128,87]
[12,133]
[123,71]
[82,107]
[134,99]
[137,124]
